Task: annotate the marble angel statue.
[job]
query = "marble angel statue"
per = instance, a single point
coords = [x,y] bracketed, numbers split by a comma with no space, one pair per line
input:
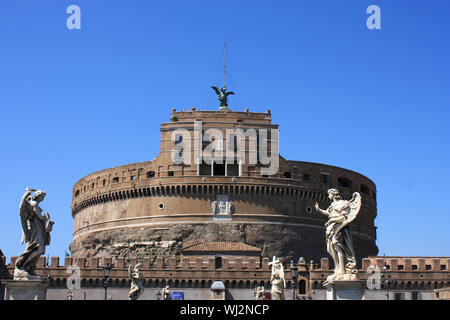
[277,279]
[166,294]
[340,214]
[36,228]
[259,293]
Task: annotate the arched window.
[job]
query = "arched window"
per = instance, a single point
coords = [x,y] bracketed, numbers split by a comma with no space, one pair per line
[316,285]
[302,287]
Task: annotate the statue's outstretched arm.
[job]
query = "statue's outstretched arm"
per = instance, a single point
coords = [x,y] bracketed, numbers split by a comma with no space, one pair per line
[324,212]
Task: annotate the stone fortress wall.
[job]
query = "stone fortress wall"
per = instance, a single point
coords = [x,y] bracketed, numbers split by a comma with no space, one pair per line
[411,277]
[158,201]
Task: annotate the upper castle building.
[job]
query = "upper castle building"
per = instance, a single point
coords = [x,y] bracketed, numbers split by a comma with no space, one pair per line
[235,194]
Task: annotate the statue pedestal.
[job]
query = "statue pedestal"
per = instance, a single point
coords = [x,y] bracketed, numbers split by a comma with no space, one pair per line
[25,289]
[345,290]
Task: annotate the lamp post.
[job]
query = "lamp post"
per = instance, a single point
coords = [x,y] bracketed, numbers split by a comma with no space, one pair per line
[106,272]
[386,282]
[294,275]
[158,295]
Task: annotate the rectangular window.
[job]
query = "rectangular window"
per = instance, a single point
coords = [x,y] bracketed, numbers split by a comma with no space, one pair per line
[150,174]
[323,178]
[116,179]
[104,181]
[401,267]
[287,175]
[170,173]
[232,142]
[206,140]
[306,177]
[232,170]
[133,177]
[219,169]
[204,169]
[414,267]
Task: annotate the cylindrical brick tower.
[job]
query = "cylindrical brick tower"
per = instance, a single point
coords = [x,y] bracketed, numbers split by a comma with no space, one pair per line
[154,208]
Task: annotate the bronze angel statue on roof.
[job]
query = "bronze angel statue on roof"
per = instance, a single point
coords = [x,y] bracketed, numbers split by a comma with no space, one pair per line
[222,96]
[36,229]
[340,214]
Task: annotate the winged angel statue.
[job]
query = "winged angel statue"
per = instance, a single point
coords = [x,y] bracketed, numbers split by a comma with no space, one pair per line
[340,214]
[36,233]
[277,279]
[222,96]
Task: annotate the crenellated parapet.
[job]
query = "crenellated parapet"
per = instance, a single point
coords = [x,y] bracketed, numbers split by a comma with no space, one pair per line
[194,272]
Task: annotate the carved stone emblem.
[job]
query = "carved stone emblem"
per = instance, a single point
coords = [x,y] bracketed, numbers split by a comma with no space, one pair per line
[222,207]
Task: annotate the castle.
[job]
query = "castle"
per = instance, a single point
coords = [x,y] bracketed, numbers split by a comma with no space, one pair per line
[118,211]
[193,217]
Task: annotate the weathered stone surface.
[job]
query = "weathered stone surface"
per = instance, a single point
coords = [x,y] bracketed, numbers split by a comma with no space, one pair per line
[278,240]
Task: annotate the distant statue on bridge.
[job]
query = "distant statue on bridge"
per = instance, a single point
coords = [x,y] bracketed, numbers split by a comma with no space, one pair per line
[137,286]
[166,294]
[277,279]
[35,233]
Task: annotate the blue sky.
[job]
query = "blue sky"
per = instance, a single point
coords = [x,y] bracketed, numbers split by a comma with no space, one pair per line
[374,101]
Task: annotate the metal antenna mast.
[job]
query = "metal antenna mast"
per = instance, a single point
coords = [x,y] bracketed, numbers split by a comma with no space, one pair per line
[225,63]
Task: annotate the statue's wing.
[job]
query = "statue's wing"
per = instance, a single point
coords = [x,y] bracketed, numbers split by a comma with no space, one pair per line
[355,207]
[230,92]
[216,90]
[25,213]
